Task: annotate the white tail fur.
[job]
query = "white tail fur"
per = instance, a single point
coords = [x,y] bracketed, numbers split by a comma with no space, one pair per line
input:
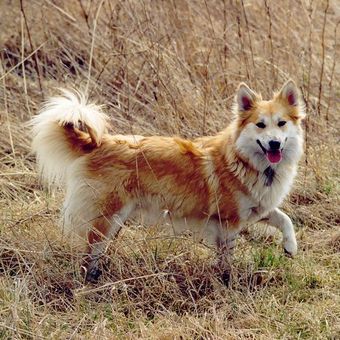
[50,139]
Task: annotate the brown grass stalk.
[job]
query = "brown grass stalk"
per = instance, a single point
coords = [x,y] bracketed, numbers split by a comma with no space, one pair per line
[271,43]
[32,49]
[322,56]
[333,68]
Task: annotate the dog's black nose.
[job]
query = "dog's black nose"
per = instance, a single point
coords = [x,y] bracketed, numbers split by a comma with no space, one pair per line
[274,145]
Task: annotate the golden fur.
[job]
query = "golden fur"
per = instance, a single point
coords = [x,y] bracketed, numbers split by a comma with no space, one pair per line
[213,185]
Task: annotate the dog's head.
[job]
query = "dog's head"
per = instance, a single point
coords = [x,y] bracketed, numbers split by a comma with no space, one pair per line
[269,132]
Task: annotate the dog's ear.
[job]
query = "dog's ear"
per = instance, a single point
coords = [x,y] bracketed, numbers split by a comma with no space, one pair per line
[289,93]
[245,98]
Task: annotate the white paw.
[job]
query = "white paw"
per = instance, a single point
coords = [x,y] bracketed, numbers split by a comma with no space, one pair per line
[290,247]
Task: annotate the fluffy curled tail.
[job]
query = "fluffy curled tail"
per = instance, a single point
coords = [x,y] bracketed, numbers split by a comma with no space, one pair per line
[65,129]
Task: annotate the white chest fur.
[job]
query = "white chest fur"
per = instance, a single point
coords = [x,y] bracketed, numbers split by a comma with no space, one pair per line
[264,198]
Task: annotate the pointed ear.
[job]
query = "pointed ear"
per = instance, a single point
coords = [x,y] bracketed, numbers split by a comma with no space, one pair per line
[245,98]
[290,93]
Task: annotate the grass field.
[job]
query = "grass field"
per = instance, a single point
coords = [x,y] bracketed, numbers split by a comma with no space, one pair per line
[169,67]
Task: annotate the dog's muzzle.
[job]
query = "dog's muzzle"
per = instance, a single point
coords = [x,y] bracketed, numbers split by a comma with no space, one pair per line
[274,154]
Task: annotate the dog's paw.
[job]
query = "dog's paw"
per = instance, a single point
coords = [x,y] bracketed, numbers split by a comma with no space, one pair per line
[92,275]
[290,248]
[226,277]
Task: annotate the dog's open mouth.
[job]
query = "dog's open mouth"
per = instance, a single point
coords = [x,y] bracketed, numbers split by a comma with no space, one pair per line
[273,156]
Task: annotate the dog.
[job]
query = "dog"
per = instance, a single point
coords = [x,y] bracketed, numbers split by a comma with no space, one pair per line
[213,186]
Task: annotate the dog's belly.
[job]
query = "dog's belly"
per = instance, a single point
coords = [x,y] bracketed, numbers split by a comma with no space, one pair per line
[150,216]
[200,229]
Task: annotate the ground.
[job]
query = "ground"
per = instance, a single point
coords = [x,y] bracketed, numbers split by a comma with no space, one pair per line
[168,68]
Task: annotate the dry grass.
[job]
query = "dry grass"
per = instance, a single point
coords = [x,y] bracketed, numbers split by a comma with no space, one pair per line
[168,67]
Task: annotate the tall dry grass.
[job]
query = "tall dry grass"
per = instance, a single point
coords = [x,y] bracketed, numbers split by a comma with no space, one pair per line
[168,67]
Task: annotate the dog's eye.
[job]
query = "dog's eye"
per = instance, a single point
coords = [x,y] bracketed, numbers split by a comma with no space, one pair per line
[261,125]
[281,123]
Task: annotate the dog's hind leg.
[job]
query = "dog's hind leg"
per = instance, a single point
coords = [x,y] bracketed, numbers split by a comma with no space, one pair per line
[105,228]
[224,238]
[280,220]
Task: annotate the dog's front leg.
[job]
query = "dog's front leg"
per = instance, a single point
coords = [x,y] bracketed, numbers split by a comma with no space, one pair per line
[280,220]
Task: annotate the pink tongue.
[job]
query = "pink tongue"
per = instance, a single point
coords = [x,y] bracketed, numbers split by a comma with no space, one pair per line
[274,156]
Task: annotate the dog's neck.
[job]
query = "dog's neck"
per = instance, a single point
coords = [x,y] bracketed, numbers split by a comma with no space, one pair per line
[269,174]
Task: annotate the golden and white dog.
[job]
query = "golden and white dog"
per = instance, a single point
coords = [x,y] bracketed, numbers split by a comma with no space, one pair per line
[213,186]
